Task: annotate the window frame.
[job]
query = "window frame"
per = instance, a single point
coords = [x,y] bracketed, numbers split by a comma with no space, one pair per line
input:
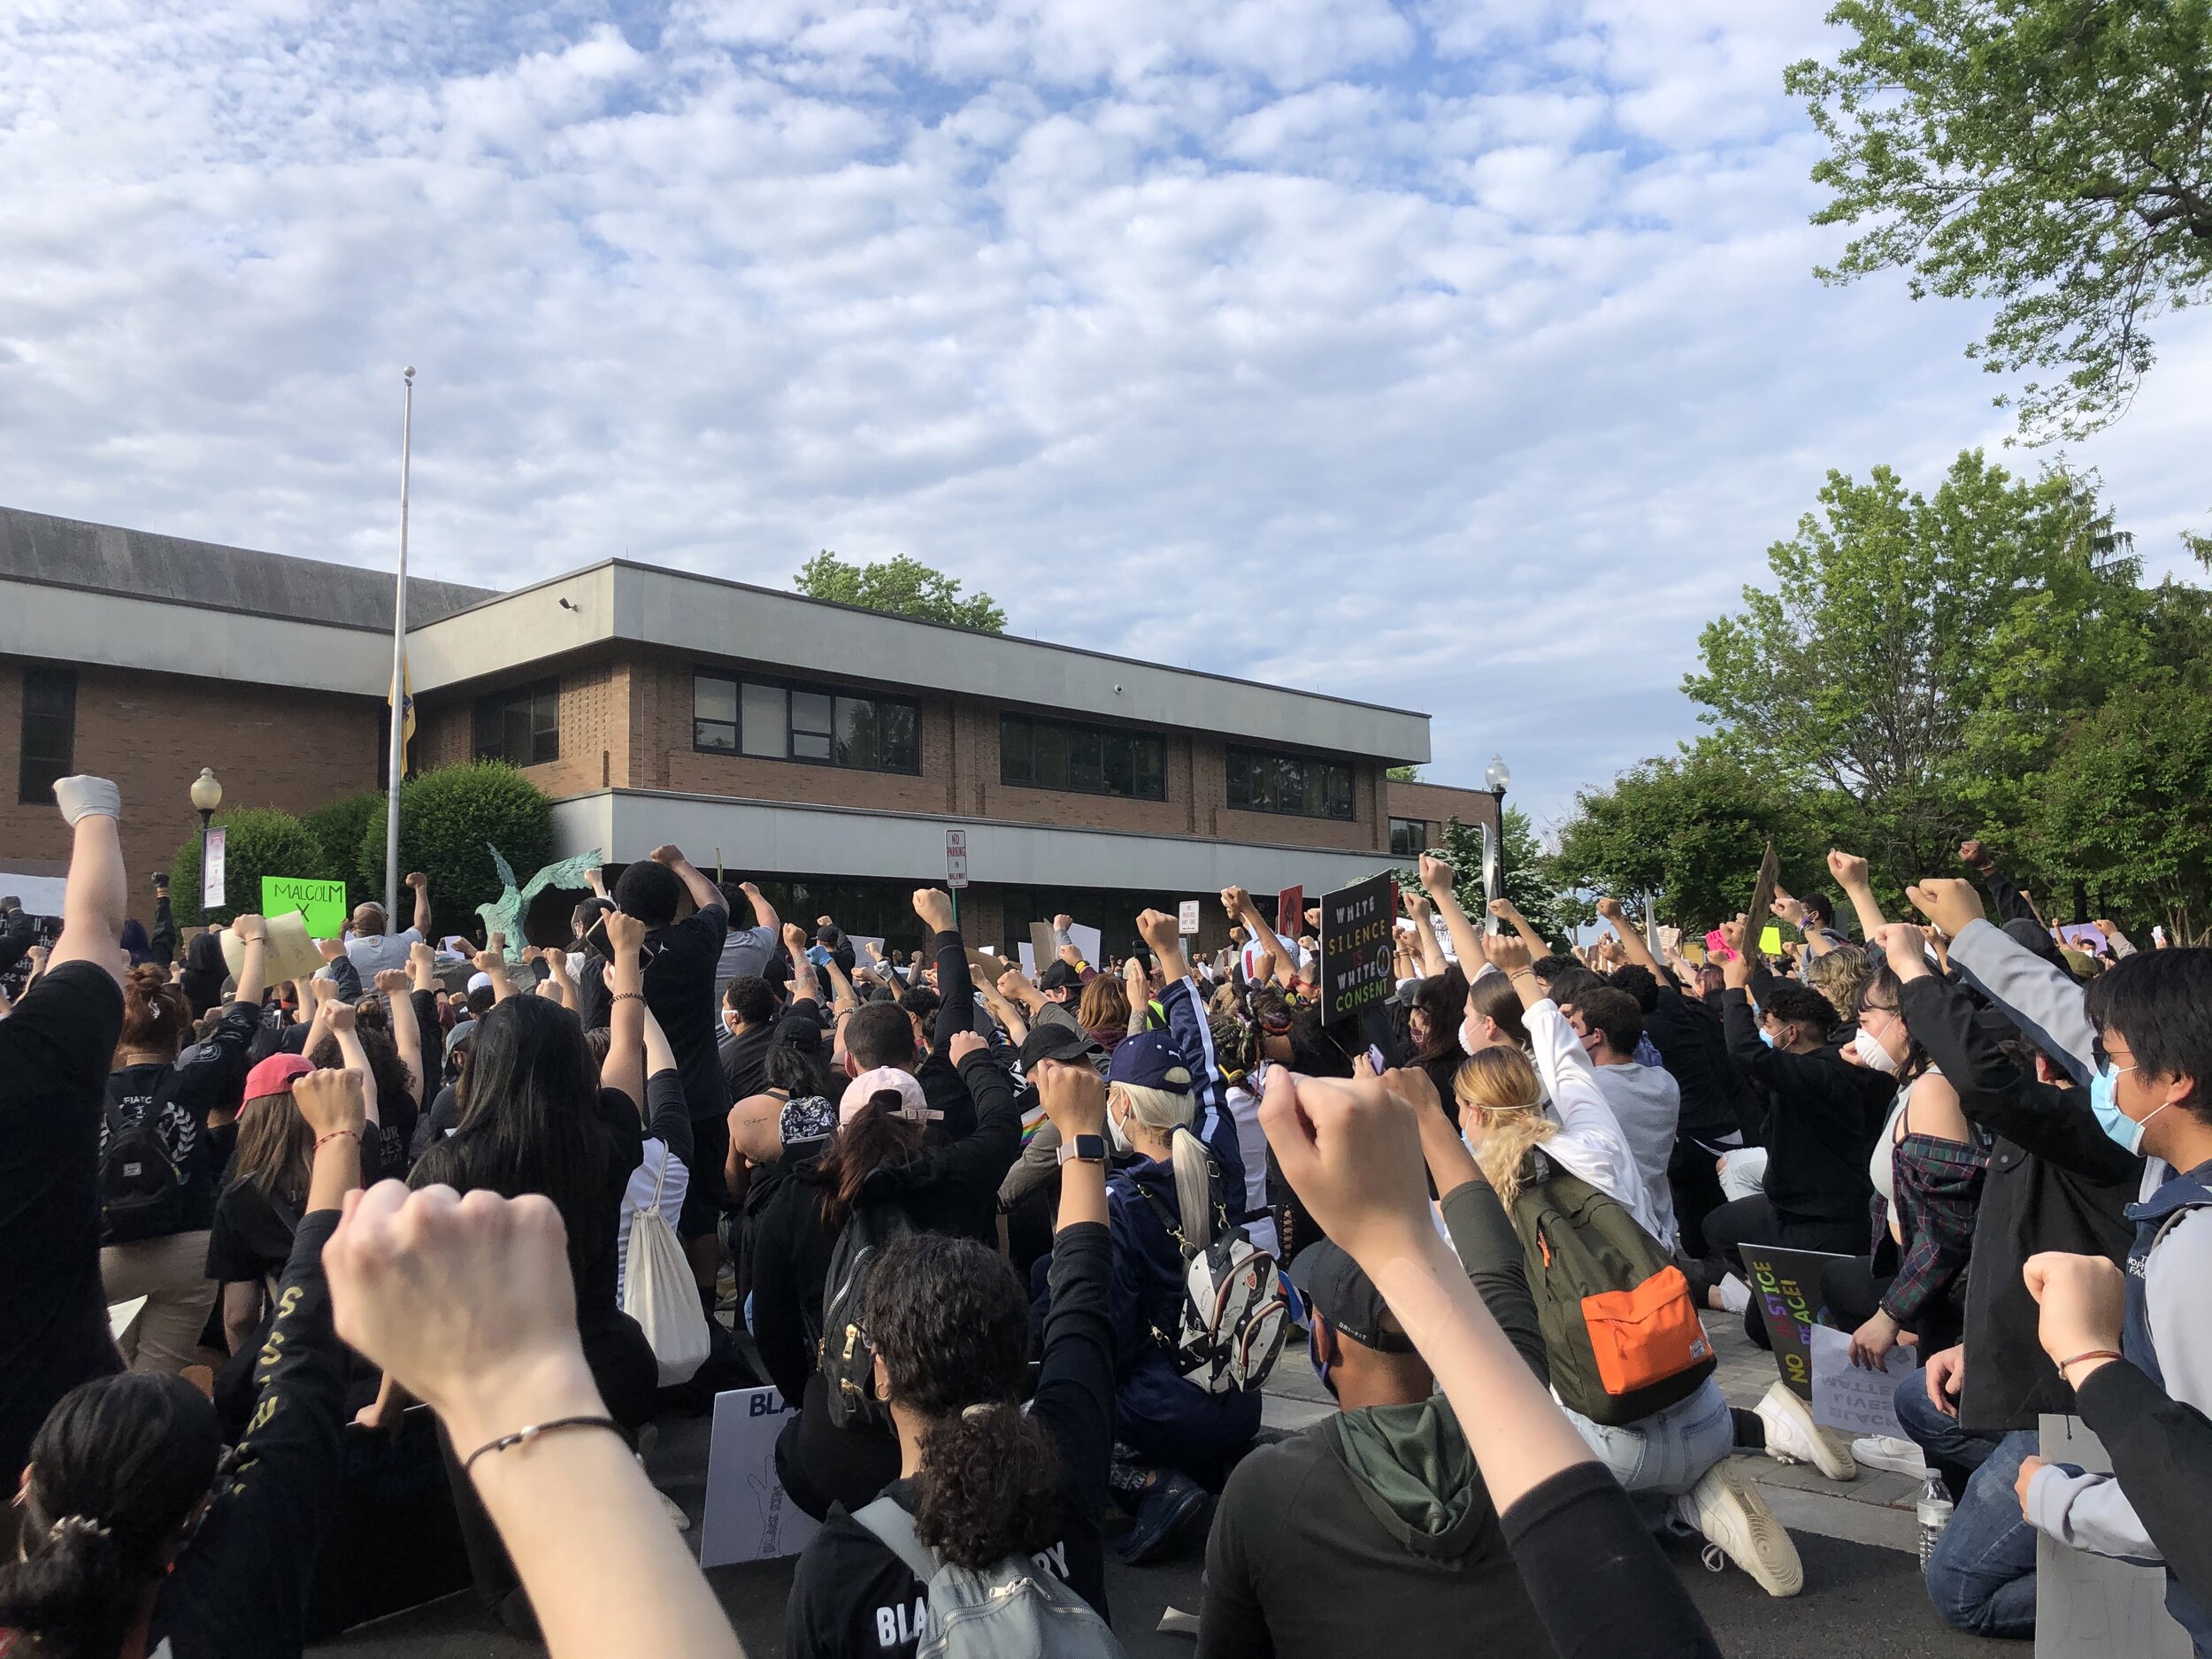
[1072,733]
[1421,824]
[1277,767]
[38,790]
[791,690]
[533,691]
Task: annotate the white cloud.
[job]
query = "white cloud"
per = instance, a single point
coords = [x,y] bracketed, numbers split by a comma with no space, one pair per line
[1479,340]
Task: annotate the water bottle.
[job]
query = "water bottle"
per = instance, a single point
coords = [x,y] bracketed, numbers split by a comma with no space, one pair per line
[1935,1515]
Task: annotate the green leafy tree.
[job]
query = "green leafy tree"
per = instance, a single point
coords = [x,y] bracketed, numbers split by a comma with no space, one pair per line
[1918,657]
[1528,874]
[339,827]
[257,842]
[1404,774]
[1689,829]
[449,820]
[2049,155]
[902,586]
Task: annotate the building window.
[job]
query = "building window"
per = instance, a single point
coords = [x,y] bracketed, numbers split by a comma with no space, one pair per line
[772,721]
[1409,837]
[520,725]
[1035,754]
[1264,782]
[49,732]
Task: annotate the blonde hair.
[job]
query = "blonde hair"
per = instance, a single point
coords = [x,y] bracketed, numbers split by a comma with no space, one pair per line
[1166,1111]
[1500,1087]
[1840,976]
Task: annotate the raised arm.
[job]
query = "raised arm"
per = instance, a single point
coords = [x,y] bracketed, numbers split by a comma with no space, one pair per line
[164,937]
[355,1058]
[956,990]
[563,988]
[253,932]
[493,961]
[624,1068]
[93,903]
[704,893]
[1436,881]
[1430,949]
[406,1030]
[420,883]
[1849,870]
[764,912]
[1633,944]
[803,989]
[1510,913]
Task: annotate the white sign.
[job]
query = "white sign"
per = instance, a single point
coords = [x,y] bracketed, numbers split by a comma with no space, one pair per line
[749,1517]
[2089,1607]
[212,871]
[955,858]
[1087,942]
[1851,1400]
[1187,918]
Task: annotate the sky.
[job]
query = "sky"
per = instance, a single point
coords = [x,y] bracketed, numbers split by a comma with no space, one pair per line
[1458,355]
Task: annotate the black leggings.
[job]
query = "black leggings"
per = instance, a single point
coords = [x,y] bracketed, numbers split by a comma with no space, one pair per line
[1754,1220]
[1694,1178]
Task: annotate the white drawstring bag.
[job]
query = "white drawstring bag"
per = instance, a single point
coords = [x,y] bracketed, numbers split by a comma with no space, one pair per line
[659,1291]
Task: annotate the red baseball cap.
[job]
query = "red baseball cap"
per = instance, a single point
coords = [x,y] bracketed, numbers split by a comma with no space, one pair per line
[274,1076]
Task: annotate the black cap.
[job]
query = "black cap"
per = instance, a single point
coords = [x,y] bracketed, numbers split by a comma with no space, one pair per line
[1346,1297]
[1052,1039]
[1059,976]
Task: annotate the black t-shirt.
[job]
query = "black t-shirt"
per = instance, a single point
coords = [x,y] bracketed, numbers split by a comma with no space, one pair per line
[55,1050]
[680,990]
[251,1238]
[744,1057]
[853,1598]
[214,1075]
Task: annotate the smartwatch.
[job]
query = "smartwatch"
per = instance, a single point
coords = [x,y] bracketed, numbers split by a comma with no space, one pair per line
[1083,1150]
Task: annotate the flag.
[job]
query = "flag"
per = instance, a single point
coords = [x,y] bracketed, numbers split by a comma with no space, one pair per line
[406,718]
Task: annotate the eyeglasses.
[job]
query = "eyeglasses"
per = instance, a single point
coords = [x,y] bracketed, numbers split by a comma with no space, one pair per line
[2102,1056]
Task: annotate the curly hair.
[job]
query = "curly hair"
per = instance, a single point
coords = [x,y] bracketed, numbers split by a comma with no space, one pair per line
[947,1318]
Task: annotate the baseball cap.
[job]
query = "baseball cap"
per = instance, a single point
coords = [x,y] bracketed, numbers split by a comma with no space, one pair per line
[1059,976]
[886,1079]
[1149,1060]
[1332,1283]
[479,982]
[275,1076]
[1051,1040]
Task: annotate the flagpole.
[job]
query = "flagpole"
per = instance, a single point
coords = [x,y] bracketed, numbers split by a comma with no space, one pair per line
[399,669]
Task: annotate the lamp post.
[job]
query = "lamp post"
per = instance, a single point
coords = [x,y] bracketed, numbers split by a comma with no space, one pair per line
[207,795]
[1495,778]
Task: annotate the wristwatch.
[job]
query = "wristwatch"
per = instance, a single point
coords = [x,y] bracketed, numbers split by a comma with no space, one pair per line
[1083,1150]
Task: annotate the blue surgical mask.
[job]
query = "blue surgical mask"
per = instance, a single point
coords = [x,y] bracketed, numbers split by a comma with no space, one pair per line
[2104,1100]
[1766,1037]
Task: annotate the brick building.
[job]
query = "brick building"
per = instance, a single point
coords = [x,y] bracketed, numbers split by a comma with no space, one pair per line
[821,749]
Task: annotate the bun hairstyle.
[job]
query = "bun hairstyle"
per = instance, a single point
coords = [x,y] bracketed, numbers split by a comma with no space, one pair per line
[1501,1089]
[155,1015]
[1165,1110]
[116,1472]
[949,1322]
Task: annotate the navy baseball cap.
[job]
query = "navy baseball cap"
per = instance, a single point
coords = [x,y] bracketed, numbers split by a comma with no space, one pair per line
[1333,1286]
[1149,1060]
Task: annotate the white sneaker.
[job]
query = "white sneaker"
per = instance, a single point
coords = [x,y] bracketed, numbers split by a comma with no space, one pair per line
[1736,1521]
[1792,1437]
[1735,1295]
[1886,1451]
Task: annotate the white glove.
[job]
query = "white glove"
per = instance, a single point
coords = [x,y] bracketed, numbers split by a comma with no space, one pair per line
[86,797]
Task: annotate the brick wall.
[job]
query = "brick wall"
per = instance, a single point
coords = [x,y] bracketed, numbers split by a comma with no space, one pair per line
[1436,802]
[595,742]
[152,733]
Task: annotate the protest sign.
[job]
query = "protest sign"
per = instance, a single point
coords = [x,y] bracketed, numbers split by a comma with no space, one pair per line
[1854,1400]
[1770,940]
[1290,908]
[323,903]
[1187,918]
[1042,948]
[1763,900]
[1086,941]
[1356,947]
[289,954]
[749,1517]
[1786,1289]
[2093,1607]
[212,845]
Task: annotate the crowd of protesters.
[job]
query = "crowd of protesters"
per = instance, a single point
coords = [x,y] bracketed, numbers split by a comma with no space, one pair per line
[1022,1247]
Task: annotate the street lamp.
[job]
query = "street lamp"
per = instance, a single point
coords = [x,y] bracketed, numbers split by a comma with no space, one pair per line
[1495,777]
[207,795]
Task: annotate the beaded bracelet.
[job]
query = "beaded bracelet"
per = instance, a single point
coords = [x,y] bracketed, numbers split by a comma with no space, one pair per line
[339,1135]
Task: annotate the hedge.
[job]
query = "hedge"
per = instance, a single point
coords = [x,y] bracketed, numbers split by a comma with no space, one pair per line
[257,842]
[449,820]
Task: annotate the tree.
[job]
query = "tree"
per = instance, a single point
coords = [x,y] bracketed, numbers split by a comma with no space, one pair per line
[904,586]
[257,842]
[449,820]
[1527,873]
[339,826]
[1404,774]
[1689,829]
[2050,155]
[1917,657]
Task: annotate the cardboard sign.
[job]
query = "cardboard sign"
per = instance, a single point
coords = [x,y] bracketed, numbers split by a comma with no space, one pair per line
[2093,1607]
[289,954]
[1786,1289]
[1763,894]
[1356,947]
[1187,918]
[211,869]
[1852,1400]
[323,903]
[1290,909]
[1043,948]
[749,1517]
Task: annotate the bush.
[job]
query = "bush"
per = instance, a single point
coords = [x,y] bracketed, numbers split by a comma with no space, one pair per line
[258,841]
[339,827]
[449,820]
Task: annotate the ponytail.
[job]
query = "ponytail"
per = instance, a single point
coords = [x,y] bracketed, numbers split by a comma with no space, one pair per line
[1194,1188]
[1500,1089]
[155,1015]
[71,1595]
[879,1135]
[989,1486]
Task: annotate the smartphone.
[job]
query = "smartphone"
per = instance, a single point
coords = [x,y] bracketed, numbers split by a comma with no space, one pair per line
[595,941]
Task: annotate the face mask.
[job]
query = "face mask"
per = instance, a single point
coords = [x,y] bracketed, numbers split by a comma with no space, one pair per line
[1114,1134]
[2104,1100]
[1467,1038]
[1873,1055]
[1767,1037]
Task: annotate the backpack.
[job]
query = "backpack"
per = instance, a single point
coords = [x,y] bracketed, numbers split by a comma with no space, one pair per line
[1236,1315]
[1014,1610]
[847,1362]
[1620,1326]
[141,1189]
[658,1290]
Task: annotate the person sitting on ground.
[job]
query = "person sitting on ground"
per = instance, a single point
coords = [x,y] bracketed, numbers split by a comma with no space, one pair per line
[980,1477]
[1644,1099]
[141,1535]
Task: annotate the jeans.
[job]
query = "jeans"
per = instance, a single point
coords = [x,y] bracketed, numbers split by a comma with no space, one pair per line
[1667,1453]
[1982,1575]
[1951,1449]
[171,1274]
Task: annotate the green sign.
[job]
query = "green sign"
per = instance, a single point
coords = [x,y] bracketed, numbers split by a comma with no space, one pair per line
[322,903]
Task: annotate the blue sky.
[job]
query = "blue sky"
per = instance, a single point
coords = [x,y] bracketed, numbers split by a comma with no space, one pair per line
[1464,356]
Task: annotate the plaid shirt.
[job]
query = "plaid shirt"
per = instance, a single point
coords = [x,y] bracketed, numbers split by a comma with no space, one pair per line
[1939,1190]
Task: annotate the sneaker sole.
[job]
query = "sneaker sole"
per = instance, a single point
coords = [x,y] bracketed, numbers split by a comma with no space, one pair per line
[1738,1520]
[1835,1464]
